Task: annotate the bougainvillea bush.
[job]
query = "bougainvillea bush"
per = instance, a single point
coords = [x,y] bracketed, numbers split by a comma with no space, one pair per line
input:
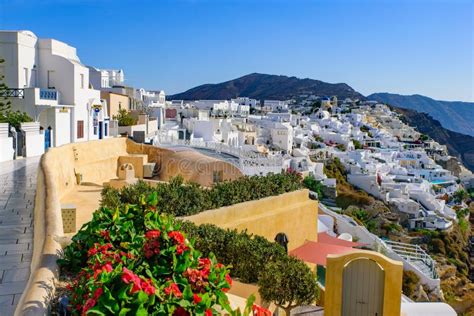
[135,261]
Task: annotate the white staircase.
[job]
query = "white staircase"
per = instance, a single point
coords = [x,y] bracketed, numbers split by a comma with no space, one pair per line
[415,255]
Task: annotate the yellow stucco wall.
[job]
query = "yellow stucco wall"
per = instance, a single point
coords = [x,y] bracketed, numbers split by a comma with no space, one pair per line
[334,281]
[115,102]
[293,213]
[191,165]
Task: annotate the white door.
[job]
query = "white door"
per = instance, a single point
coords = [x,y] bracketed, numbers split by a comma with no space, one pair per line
[363,283]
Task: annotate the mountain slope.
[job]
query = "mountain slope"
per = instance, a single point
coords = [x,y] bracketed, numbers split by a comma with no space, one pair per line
[455,116]
[459,145]
[262,86]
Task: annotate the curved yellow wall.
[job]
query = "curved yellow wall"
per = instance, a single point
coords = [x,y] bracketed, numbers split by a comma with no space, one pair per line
[293,213]
[97,161]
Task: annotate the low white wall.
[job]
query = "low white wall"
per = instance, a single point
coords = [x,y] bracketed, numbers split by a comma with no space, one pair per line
[34,145]
[6,149]
[130,129]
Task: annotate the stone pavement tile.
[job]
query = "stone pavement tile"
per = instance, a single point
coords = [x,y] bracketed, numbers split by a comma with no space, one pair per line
[14,240]
[26,257]
[13,247]
[12,288]
[17,197]
[6,300]
[15,265]
[18,221]
[12,231]
[16,275]
[10,259]
[7,310]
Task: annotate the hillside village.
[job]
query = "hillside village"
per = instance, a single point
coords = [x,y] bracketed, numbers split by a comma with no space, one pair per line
[380,182]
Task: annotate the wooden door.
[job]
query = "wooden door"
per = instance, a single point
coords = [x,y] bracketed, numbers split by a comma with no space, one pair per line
[363,284]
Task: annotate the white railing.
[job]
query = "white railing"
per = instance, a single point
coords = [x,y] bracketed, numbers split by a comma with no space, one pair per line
[413,253]
[250,162]
[409,254]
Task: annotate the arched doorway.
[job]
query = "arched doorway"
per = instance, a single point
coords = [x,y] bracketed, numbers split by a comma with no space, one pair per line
[363,288]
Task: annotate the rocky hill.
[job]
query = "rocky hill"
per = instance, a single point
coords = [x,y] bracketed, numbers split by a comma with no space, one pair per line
[455,116]
[459,145]
[263,86]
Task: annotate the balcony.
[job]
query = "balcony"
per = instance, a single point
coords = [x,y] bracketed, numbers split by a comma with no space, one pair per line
[13,93]
[48,94]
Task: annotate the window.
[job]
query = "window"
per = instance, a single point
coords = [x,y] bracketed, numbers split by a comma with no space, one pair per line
[82,81]
[33,77]
[27,83]
[80,129]
[51,79]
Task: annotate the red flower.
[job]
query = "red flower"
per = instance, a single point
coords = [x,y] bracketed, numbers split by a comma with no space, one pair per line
[197,299]
[179,241]
[181,248]
[147,287]
[208,312]
[205,272]
[204,262]
[92,252]
[173,289]
[177,236]
[151,248]
[107,267]
[180,312]
[229,280]
[152,234]
[98,293]
[260,311]
[88,305]
[130,277]
[105,234]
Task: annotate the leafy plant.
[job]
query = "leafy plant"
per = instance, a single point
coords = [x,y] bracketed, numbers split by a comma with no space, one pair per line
[180,199]
[134,260]
[357,144]
[14,118]
[288,283]
[247,254]
[124,118]
[312,184]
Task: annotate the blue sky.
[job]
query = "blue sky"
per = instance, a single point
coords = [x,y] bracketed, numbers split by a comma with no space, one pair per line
[406,46]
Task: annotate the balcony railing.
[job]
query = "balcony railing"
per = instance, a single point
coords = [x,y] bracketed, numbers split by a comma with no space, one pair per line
[13,93]
[48,94]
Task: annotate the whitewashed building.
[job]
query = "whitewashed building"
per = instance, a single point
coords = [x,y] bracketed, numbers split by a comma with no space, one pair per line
[48,81]
[106,78]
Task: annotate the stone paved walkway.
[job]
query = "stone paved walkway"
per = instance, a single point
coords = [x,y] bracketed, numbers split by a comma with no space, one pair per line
[17,195]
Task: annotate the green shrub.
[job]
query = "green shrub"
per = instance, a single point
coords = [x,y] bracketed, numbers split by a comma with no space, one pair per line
[357,144]
[124,118]
[180,199]
[312,184]
[247,254]
[288,283]
[15,118]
